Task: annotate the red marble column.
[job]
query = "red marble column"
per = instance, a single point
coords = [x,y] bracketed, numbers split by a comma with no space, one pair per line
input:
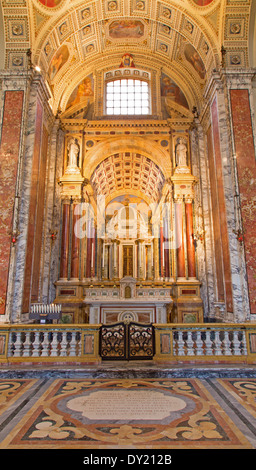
[75,245]
[246,168]
[89,250]
[162,269]
[9,155]
[181,272]
[65,241]
[190,240]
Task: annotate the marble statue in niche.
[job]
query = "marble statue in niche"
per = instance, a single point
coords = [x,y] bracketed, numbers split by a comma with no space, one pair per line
[181,156]
[73,157]
[181,152]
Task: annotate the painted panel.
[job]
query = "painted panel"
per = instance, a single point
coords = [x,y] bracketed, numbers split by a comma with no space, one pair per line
[9,154]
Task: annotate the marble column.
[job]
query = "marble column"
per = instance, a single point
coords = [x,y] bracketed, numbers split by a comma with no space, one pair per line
[190,240]
[65,241]
[37,122]
[75,243]
[9,158]
[179,235]
[246,170]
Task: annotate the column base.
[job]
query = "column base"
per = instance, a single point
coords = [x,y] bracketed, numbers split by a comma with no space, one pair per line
[188,305]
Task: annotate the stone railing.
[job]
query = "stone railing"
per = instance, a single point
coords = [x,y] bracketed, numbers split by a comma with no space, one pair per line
[174,343]
[49,343]
[206,342]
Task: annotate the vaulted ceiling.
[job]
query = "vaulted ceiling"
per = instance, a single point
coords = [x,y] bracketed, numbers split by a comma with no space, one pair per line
[70,40]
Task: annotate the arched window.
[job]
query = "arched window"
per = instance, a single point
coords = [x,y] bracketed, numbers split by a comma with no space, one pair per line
[127,96]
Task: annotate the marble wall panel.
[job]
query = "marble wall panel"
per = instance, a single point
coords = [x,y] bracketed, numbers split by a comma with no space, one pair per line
[216,220]
[246,168]
[52,215]
[39,218]
[32,209]
[222,208]
[203,221]
[9,155]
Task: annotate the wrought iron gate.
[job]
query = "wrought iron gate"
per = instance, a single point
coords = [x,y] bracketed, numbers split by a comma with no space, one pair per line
[126,341]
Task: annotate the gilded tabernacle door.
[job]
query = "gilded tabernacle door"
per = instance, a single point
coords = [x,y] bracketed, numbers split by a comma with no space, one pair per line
[128,260]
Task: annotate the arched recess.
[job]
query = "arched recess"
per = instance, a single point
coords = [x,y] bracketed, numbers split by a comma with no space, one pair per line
[127,143]
[128,172]
[94,48]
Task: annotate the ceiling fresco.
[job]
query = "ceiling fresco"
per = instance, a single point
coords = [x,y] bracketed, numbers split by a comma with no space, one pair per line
[73,40]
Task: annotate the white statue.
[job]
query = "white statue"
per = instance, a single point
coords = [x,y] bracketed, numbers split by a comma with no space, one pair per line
[74,150]
[73,153]
[181,152]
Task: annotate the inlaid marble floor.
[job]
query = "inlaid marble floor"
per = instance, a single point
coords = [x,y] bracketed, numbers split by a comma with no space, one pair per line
[79,412]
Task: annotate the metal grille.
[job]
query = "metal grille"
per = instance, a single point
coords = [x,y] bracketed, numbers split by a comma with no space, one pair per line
[127,341]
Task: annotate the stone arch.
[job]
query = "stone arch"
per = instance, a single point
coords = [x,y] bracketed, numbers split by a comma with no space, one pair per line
[127,143]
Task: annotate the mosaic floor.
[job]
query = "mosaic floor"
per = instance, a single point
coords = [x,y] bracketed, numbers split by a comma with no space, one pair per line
[139,413]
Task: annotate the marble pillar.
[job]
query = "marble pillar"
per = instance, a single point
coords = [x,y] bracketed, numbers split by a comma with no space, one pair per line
[191,262]
[179,231]
[75,244]
[32,86]
[9,159]
[246,169]
[65,241]
[220,204]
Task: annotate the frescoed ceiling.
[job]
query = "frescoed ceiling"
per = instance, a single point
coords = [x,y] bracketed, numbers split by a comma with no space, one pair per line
[71,40]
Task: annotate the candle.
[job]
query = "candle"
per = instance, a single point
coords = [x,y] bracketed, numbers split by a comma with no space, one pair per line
[103,254]
[163,255]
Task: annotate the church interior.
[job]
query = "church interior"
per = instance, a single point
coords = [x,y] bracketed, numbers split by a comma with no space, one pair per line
[127,160]
[128,203]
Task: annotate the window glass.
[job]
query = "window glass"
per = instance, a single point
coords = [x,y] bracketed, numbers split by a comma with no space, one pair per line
[127,96]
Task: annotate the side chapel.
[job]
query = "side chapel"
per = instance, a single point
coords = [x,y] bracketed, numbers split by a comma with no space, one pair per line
[127,160]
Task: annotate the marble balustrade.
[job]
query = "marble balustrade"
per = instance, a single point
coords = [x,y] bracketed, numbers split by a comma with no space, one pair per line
[212,343]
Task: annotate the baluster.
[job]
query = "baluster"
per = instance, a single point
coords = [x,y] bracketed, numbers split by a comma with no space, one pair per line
[175,343]
[244,344]
[64,344]
[11,345]
[236,344]
[190,344]
[26,344]
[199,343]
[36,345]
[72,345]
[208,343]
[79,346]
[227,344]
[18,345]
[181,344]
[54,344]
[217,342]
[45,345]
